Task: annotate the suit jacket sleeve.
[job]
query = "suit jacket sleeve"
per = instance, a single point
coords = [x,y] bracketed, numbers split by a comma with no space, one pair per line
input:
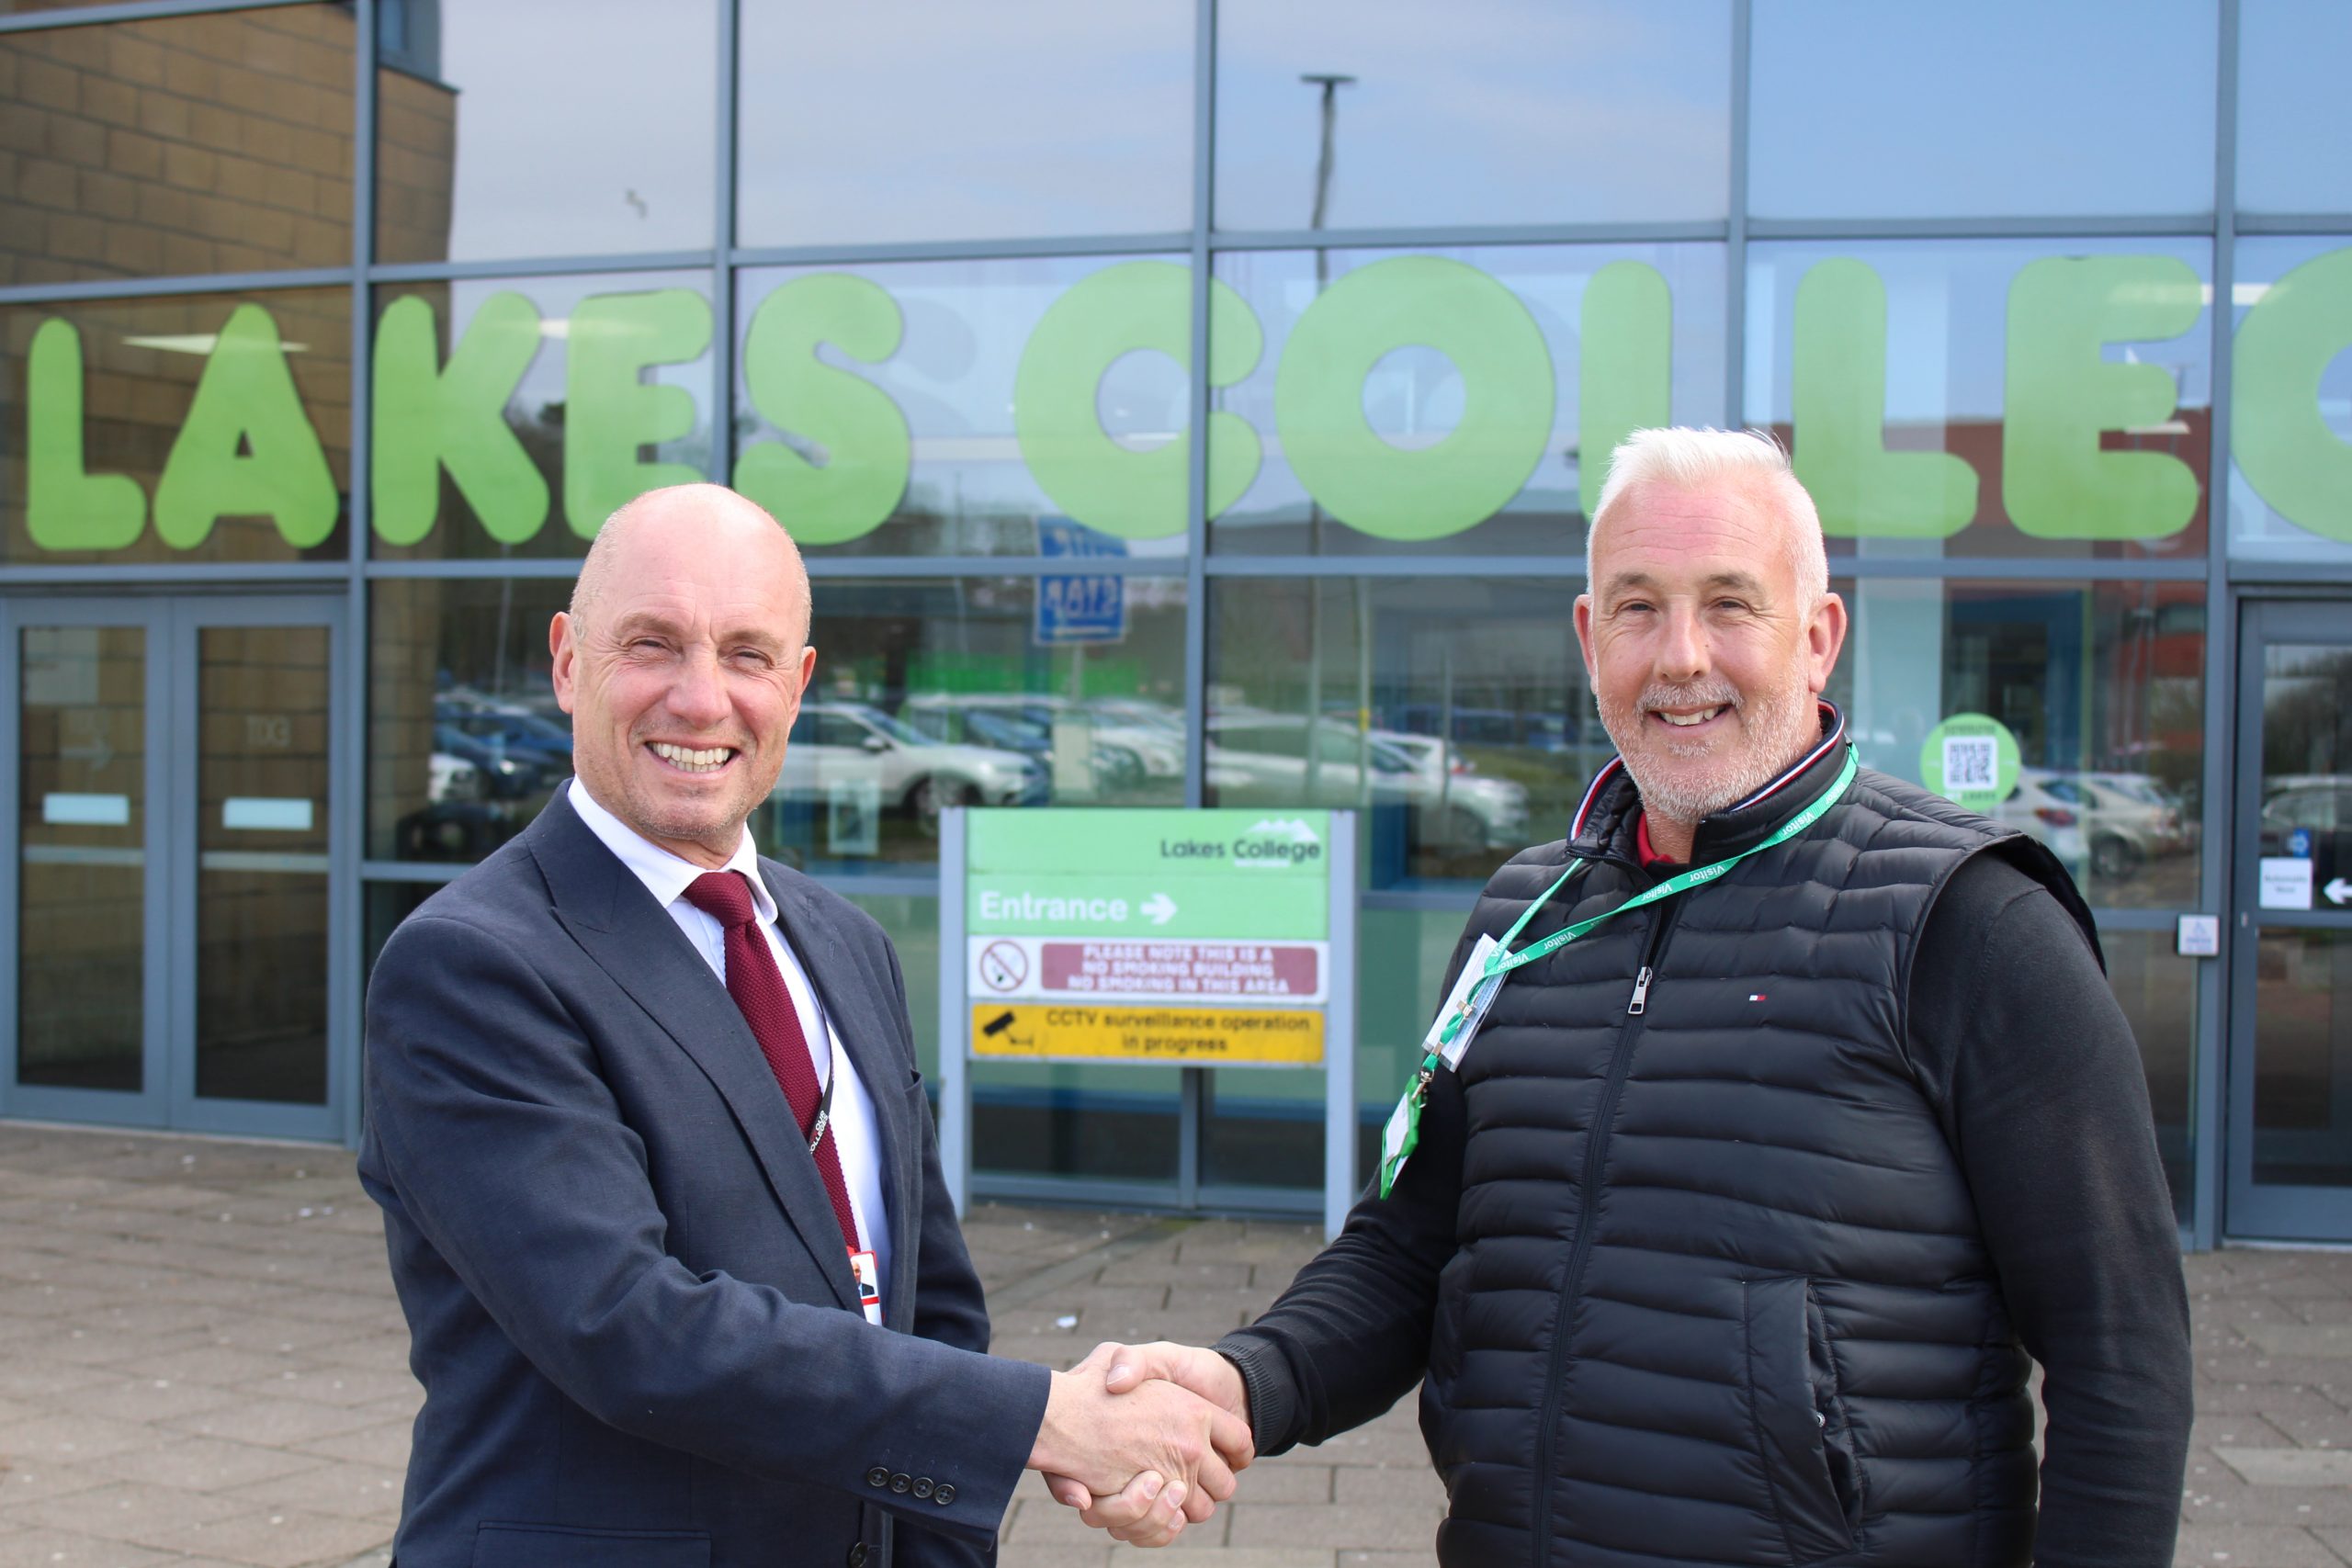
[949,1308]
[506,1149]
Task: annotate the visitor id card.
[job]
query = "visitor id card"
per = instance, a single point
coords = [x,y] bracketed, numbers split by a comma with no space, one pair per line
[869,1284]
[1466,1006]
[1448,1037]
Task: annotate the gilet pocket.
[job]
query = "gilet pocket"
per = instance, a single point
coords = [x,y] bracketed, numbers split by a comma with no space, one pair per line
[1791,1440]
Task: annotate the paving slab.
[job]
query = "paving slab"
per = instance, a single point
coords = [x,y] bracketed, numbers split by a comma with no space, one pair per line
[180,1388]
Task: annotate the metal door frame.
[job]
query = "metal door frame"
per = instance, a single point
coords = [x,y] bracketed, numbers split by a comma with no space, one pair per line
[168,1094]
[2269,1211]
[146,1106]
[191,614]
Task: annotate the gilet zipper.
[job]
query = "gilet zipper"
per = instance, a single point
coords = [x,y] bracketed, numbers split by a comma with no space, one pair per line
[1595,1150]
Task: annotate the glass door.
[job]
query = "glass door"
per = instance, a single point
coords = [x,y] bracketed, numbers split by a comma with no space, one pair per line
[90,1014]
[171,925]
[2290,1060]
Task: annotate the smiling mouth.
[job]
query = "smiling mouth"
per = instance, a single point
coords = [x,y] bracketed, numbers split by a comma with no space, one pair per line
[692,760]
[1688,721]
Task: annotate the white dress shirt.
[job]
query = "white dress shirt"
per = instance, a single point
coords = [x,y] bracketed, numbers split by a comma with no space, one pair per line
[667,877]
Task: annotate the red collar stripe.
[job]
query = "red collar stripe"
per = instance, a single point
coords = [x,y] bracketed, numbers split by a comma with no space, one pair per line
[1836,738]
[1829,742]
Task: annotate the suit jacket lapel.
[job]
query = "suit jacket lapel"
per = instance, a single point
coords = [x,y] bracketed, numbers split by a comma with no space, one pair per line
[854,1000]
[617,923]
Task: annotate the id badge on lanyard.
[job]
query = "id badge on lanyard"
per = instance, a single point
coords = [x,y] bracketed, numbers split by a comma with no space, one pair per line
[869,1282]
[1491,962]
[1450,1033]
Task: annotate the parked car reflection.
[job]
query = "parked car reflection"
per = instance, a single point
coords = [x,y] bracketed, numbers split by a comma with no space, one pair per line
[1085,758]
[838,747]
[2112,826]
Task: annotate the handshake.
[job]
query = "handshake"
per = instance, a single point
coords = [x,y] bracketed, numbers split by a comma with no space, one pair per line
[1144,1439]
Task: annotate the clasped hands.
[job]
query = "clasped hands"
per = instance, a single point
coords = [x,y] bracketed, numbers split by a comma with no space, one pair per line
[1143,1439]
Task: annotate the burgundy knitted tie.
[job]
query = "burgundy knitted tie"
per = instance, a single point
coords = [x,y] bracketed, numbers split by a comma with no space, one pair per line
[757,986]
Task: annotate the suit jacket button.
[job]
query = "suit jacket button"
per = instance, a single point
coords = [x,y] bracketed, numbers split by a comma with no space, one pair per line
[900,1481]
[923,1486]
[945,1495]
[857,1555]
[878,1476]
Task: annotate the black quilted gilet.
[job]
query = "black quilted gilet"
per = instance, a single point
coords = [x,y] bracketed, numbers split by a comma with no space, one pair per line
[1720,1296]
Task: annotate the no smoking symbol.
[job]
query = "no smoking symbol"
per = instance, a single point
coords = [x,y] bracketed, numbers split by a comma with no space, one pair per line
[1004,966]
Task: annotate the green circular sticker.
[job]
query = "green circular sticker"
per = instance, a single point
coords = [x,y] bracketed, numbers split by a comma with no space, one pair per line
[1971,758]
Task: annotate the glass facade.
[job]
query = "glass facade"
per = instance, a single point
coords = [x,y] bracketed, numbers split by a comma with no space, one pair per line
[1197,403]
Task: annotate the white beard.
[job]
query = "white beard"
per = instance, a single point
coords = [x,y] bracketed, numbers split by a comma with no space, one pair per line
[1775,729]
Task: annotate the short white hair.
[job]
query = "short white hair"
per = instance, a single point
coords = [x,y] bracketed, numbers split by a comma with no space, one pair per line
[1750,460]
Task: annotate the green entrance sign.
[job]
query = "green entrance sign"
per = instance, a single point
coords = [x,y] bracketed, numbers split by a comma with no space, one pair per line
[1168,877]
[1972,760]
[1193,939]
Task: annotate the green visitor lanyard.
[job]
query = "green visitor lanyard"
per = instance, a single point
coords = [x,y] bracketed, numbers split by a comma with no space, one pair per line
[1502,961]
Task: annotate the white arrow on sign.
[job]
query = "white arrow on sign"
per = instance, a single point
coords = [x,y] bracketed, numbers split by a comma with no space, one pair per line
[2338,891]
[1161,908]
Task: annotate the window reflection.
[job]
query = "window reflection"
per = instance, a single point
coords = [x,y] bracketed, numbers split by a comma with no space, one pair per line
[464,742]
[162,484]
[967,407]
[1444,403]
[2008,398]
[2101,684]
[2288,502]
[2003,109]
[2157,991]
[1453,713]
[930,119]
[1512,111]
[607,381]
[932,694]
[543,128]
[2290,104]
[928,694]
[174,145]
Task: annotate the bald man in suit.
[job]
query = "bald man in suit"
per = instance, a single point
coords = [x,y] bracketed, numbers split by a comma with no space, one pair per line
[661,1189]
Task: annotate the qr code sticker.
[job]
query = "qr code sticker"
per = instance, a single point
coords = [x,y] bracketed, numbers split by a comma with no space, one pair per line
[1969,762]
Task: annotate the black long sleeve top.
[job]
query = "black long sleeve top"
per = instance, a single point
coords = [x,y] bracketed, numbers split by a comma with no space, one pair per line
[2018,1044]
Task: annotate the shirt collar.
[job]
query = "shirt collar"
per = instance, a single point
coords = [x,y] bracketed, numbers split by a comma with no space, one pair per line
[667,876]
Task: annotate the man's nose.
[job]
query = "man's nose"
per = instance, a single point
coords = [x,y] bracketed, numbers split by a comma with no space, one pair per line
[1682,646]
[698,696]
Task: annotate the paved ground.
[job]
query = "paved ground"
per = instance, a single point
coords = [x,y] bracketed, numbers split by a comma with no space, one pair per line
[201,1364]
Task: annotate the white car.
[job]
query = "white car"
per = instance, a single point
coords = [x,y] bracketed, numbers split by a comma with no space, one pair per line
[2111,823]
[1460,808]
[842,747]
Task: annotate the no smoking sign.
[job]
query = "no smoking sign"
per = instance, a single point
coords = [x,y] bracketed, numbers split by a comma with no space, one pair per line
[1004,966]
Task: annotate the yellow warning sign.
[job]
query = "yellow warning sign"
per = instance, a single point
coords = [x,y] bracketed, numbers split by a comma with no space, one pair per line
[1041,1031]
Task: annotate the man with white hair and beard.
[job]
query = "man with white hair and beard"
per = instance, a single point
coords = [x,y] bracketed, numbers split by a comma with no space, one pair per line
[1777,1120]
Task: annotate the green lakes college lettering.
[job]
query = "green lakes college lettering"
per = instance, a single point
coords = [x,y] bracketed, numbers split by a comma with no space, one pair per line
[246,447]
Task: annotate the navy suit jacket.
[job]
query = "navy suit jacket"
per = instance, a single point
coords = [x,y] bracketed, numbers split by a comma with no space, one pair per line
[628,1298]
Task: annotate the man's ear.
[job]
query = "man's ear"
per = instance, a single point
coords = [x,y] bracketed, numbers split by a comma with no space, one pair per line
[808,669]
[565,655]
[1583,618]
[1824,635]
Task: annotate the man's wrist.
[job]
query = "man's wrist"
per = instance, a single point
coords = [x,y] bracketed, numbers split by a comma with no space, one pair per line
[1267,1404]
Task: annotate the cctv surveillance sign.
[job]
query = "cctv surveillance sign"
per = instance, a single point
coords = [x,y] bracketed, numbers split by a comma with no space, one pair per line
[1184,936]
